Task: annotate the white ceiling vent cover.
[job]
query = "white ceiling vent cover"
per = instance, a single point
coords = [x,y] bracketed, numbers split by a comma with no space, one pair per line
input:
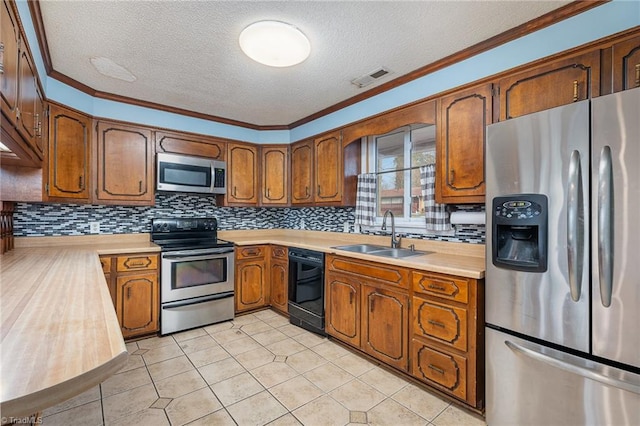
[369,78]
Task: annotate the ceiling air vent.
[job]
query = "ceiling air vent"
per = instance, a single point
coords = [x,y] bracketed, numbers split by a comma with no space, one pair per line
[369,78]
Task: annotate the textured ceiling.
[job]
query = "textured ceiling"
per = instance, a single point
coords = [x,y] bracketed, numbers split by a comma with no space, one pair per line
[185,54]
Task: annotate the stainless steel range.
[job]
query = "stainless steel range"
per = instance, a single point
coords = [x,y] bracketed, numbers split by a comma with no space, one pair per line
[197,273]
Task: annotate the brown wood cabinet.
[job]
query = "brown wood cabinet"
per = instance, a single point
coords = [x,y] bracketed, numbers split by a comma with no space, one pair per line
[23,105]
[252,287]
[10,33]
[242,174]
[385,325]
[626,64]
[552,84]
[328,170]
[302,166]
[125,164]
[343,307]
[189,144]
[279,278]
[133,284]
[69,156]
[460,145]
[447,343]
[275,175]
[368,307]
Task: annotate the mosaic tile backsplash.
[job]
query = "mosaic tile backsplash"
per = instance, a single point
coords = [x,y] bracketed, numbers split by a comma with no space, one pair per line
[35,219]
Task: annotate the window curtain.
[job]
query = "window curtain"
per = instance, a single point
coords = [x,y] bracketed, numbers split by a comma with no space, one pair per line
[366,199]
[436,215]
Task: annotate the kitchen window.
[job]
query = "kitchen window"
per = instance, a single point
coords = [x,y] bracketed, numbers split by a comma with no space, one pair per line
[396,158]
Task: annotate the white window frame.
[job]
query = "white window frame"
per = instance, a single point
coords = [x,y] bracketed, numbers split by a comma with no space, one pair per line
[415,225]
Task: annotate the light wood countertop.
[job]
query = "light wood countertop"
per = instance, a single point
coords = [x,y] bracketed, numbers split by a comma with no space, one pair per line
[59,332]
[466,260]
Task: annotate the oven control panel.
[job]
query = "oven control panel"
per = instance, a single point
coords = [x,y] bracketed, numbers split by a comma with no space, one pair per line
[184,224]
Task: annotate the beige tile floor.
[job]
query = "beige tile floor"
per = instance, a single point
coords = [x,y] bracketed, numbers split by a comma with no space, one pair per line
[255,370]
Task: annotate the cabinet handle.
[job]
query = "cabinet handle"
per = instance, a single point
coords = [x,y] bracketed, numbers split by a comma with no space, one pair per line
[373,301]
[350,297]
[128,293]
[1,58]
[452,176]
[268,193]
[306,191]
[282,276]
[140,186]
[637,75]
[234,191]
[80,183]
[318,190]
[436,287]
[436,323]
[436,369]
[575,90]
[36,118]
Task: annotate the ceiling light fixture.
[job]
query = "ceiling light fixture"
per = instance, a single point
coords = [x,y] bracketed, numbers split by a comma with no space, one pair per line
[275,43]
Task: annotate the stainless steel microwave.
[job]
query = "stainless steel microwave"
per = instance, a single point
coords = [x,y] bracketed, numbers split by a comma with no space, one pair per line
[186,173]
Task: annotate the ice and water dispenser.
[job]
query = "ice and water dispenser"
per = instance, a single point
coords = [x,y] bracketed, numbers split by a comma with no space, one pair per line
[519,234]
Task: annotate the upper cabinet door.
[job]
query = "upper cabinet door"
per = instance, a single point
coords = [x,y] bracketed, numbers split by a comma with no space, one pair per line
[460,145]
[328,174]
[242,170]
[69,154]
[302,172]
[275,175]
[10,33]
[29,119]
[125,164]
[183,143]
[554,84]
[626,64]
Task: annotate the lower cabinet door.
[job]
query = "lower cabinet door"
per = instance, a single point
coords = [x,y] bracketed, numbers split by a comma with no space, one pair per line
[385,322]
[443,370]
[343,309]
[279,285]
[252,292]
[137,302]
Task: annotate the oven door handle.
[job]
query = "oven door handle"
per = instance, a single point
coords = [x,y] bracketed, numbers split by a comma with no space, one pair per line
[191,302]
[196,256]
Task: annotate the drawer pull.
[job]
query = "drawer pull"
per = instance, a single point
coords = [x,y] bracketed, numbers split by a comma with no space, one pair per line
[436,287]
[575,90]
[436,323]
[436,369]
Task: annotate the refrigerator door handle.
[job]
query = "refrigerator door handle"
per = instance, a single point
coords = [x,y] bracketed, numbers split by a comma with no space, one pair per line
[573,368]
[575,225]
[605,226]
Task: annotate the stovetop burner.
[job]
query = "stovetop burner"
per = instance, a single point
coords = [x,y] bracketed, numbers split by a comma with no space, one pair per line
[186,233]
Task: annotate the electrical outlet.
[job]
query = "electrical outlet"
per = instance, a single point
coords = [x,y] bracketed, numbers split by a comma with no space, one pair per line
[94,227]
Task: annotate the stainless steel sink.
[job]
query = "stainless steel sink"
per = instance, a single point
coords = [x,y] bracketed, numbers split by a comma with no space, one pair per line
[361,248]
[381,250]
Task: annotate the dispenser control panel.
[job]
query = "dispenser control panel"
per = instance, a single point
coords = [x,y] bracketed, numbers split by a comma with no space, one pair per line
[518,209]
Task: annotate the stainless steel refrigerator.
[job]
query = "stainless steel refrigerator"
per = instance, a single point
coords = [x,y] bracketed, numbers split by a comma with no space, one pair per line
[563,265]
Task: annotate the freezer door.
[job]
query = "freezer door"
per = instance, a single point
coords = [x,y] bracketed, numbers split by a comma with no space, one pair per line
[530,384]
[543,153]
[616,226]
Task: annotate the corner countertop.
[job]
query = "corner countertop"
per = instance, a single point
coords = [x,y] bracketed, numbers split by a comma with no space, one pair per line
[465,260]
[59,331]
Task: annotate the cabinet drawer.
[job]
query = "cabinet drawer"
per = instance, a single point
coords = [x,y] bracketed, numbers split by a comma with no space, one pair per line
[279,252]
[447,324]
[443,286]
[447,371]
[106,264]
[250,252]
[380,272]
[137,263]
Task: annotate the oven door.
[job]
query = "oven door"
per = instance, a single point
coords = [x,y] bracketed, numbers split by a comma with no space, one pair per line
[195,273]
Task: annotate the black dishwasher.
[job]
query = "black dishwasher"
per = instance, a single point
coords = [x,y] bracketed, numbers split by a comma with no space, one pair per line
[306,289]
